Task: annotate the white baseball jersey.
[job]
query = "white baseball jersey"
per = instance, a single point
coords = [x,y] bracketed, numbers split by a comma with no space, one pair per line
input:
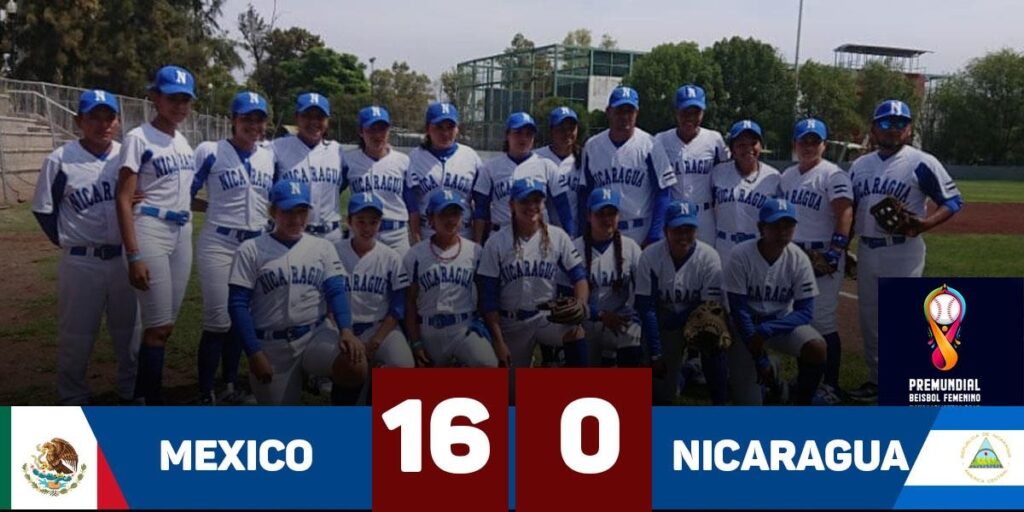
[911,175]
[165,166]
[320,166]
[637,169]
[371,279]
[603,275]
[692,162]
[812,193]
[238,184]
[496,178]
[527,276]
[287,283]
[81,188]
[457,173]
[681,289]
[384,177]
[770,289]
[568,178]
[738,199]
[445,287]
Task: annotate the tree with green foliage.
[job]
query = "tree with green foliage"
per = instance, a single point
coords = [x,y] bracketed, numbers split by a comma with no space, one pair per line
[542,108]
[608,42]
[756,84]
[339,76]
[404,92]
[830,94]
[270,78]
[456,87]
[581,37]
[658,74]
[876,82]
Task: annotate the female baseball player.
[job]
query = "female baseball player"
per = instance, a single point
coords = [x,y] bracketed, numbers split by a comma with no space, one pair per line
[309,157]
[910,175]
[627,159]
[377,168]
[822,196]
[517,274]
[693,151]
[376,285]
[771,290]
[740,188]
[441,301]
[74,204]
[613,329]
[157,161]
[282,285]
[674,276]
[439,163]
[566,152]
[238,173]
[490,194]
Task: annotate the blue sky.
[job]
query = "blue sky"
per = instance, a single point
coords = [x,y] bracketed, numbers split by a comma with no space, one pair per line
[434,36]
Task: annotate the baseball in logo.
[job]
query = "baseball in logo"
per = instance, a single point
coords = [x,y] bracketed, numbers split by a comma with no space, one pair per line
[945,309]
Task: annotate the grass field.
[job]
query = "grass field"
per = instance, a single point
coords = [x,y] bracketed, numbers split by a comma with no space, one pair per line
[948,255]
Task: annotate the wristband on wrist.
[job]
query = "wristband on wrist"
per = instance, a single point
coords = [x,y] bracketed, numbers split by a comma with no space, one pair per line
[840,240]
[133,257]
[416,345]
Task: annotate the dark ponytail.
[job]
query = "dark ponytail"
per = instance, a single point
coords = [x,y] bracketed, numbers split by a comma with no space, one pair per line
[588,248]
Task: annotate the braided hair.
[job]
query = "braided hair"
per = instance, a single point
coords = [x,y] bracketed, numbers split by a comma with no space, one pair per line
[545,242]
[588,247]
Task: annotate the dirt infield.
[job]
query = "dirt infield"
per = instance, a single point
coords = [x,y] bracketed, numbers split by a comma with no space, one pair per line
[986,218]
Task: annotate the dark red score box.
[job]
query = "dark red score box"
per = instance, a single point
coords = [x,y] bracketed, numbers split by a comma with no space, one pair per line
[440,439]
[583,439]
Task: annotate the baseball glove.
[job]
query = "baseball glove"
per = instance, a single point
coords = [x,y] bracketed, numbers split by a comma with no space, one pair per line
[820,263]
[892,215]
[565,310]
[707,328]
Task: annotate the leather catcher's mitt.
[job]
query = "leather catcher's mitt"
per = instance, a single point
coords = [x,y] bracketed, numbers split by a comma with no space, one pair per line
[707,328]
[820,263]
[565,310]
[892,215]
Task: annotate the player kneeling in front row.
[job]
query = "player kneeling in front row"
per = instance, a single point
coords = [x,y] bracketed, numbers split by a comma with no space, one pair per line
[441,301]
[517,277]
[771,289]
[674,277]
[613,328]
[376,288]
[281,286]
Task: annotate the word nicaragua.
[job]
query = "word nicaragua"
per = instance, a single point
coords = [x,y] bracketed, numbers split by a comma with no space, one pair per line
[239,455]
[784,455]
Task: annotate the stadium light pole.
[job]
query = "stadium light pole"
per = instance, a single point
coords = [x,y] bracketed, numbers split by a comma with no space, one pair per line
[373,92]
[796,60]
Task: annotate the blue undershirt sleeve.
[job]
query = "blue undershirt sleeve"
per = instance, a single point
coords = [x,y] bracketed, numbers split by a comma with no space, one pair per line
[742,316]
[565,214]
[489,292]
[803,311]
[482,206]
[337,301]
[412,199]
[239,299]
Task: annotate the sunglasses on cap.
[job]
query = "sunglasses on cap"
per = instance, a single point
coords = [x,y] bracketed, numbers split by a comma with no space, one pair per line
[892,123]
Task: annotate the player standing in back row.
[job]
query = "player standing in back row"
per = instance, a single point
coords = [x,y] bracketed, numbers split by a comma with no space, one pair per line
[567,153]
[158,162]
[74,204]
[911,176]
[630,161]
[693,151]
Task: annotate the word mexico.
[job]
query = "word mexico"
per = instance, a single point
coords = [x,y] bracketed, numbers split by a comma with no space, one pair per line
[955,391]
[239,455]
[785,455]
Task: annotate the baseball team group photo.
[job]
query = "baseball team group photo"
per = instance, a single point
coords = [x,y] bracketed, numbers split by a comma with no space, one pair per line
[262,220]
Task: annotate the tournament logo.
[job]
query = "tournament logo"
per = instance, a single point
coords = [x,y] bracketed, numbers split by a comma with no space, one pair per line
[944,308]
[54,469]
[985,461]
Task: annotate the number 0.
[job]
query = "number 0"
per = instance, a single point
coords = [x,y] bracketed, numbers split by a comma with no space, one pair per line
[607,436]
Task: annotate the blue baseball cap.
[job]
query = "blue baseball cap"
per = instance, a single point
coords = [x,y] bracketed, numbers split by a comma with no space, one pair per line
[520,120]
[775,210]
[602,197]
[438,112]
[892,108]
[442,199]
[248,101]
[525,187]
[681,213]
[95,98]
[623,95]
[364,200]
[745,125]
[308,100]
[560,114]
[174,80]
[288,194]
[369,116]
[810,126]
[691,95]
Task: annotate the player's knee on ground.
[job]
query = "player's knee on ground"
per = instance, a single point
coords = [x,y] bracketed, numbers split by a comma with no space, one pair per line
[157,336]
[813,352]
